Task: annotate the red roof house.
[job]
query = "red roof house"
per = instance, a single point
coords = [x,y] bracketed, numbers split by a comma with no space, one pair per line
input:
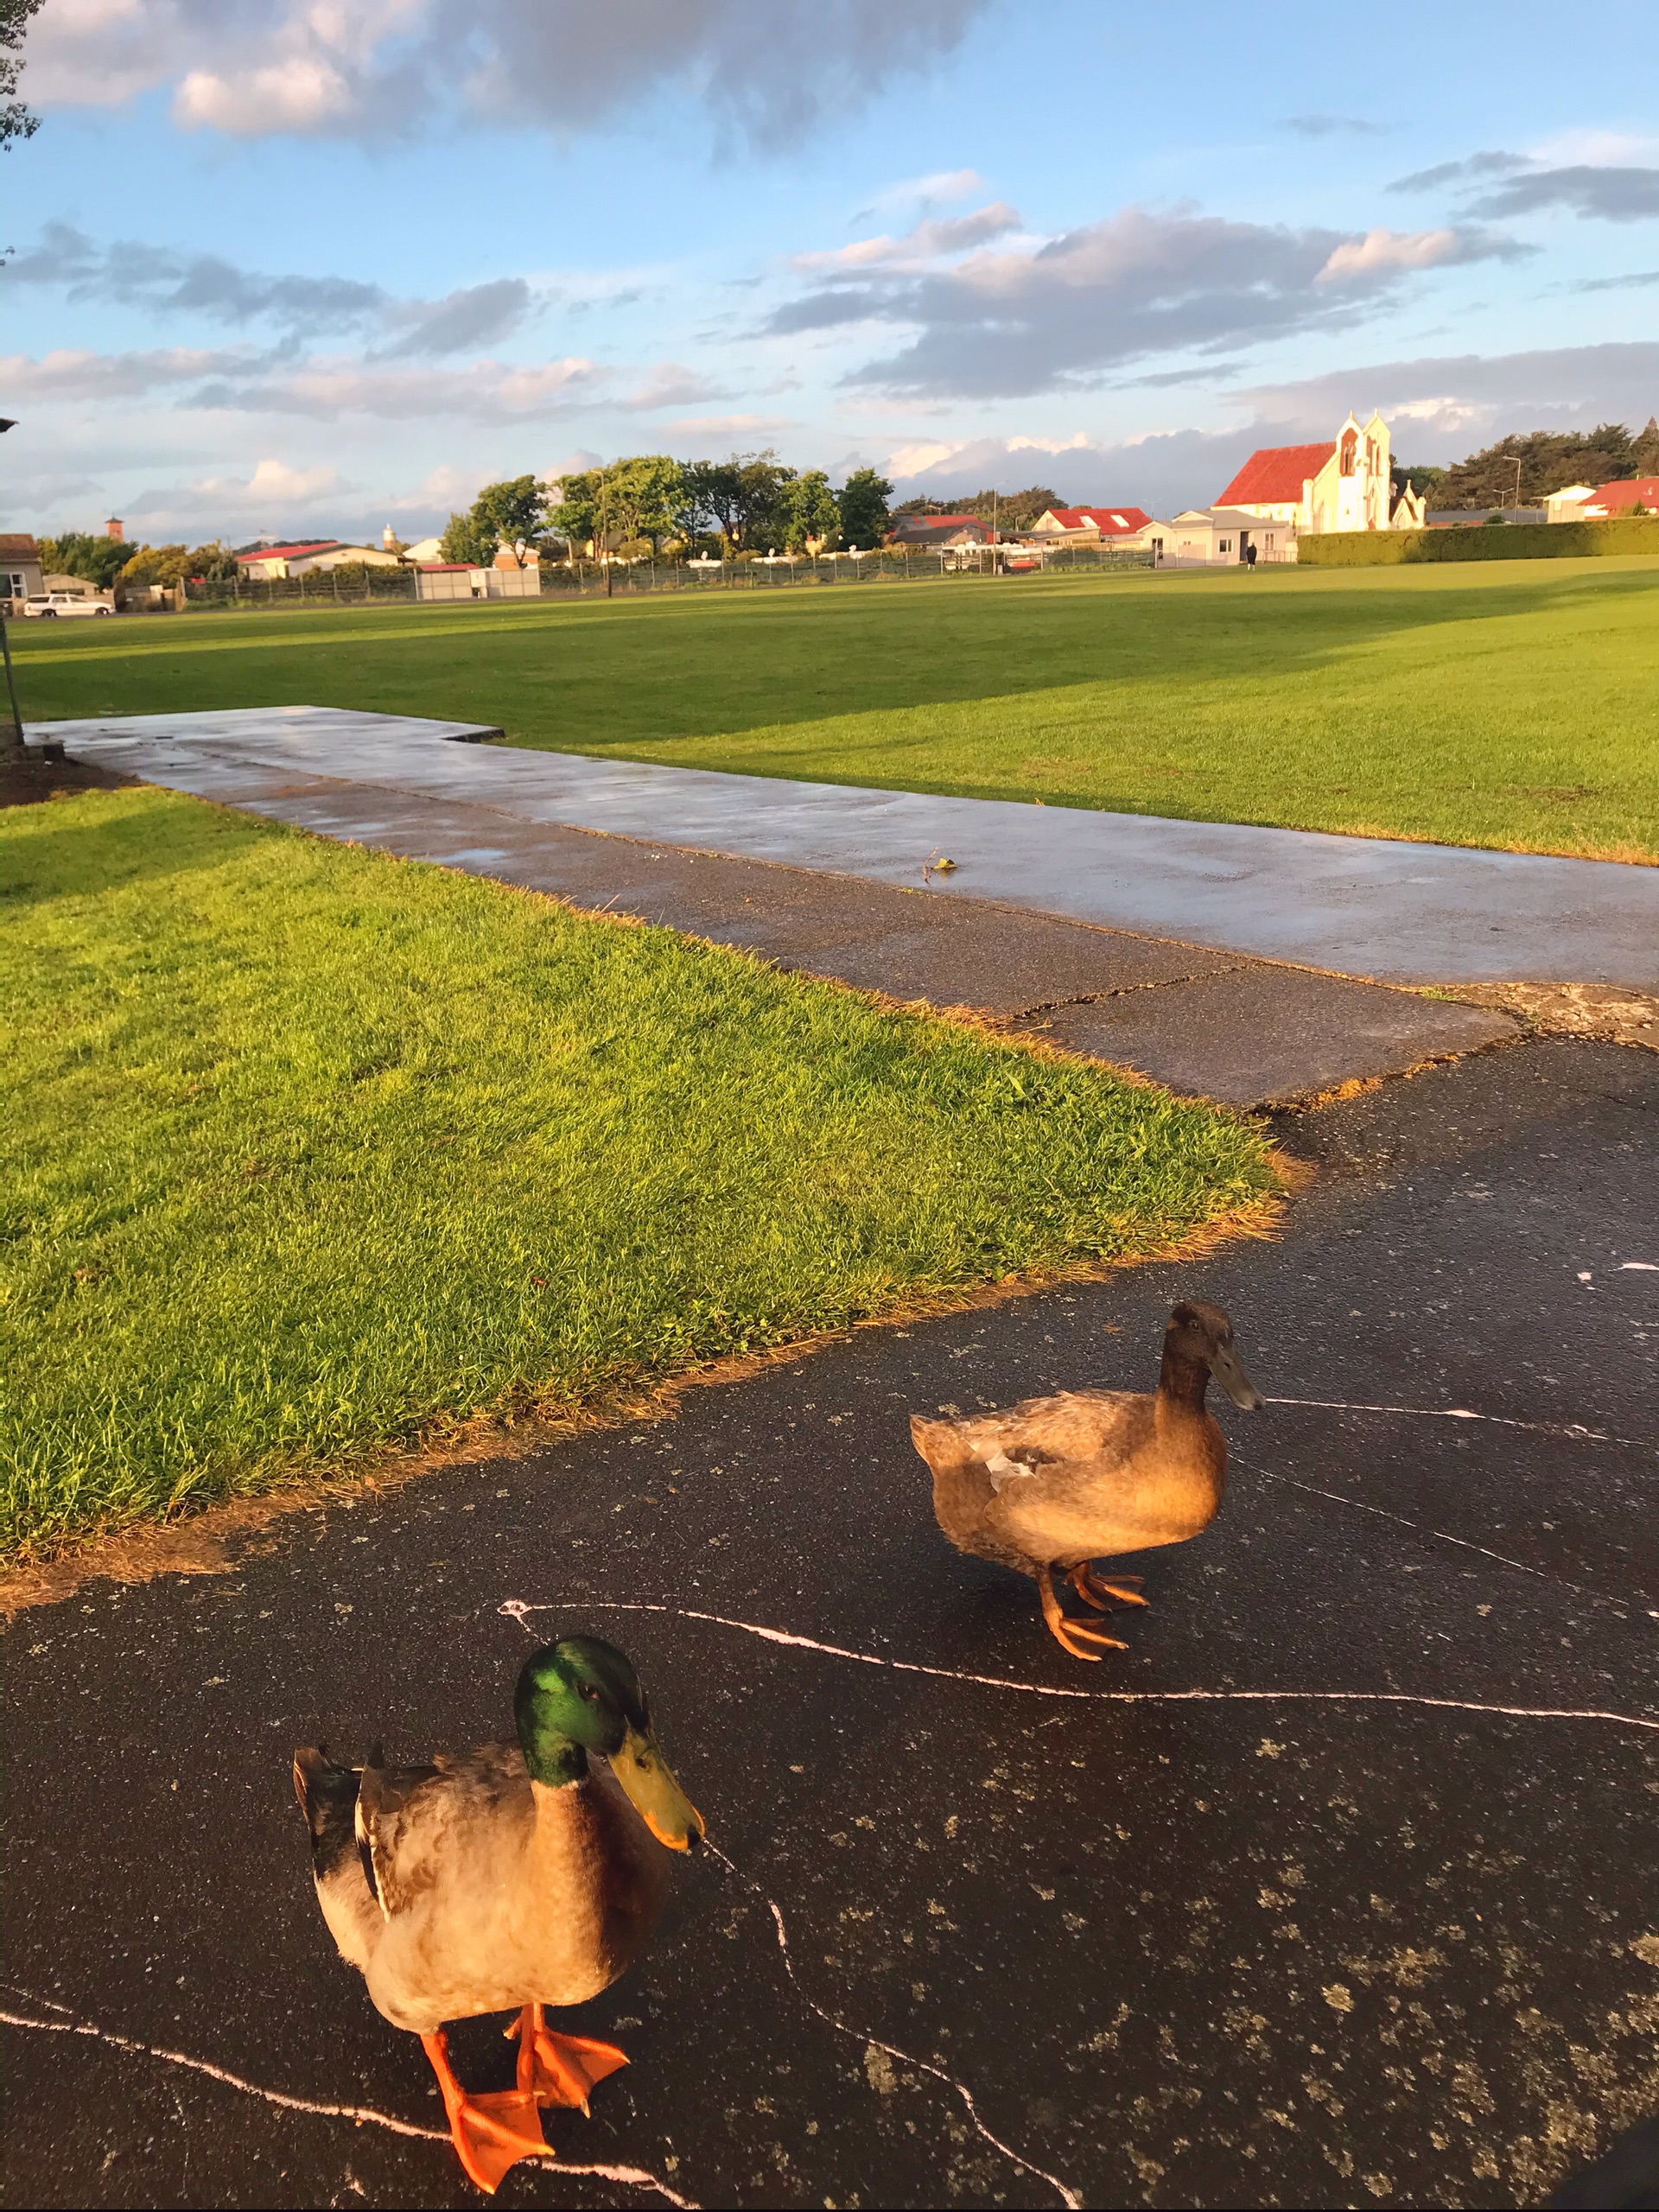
[1617,498]
[1090,522]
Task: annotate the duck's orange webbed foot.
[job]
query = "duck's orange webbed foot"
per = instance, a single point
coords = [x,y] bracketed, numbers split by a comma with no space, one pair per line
[1072,1635]
[559,2070]
[491,2133]
[1095,1591]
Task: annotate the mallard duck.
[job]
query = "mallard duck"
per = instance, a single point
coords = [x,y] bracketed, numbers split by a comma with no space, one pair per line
[1058,1481]
[514,1876]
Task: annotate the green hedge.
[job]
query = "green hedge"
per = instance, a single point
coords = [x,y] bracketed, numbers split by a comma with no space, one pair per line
[1525,541]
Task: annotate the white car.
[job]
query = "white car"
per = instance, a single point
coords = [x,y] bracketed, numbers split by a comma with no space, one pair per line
[46,605]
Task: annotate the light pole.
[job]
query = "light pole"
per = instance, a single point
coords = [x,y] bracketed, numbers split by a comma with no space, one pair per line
[14,739]
[1517,484]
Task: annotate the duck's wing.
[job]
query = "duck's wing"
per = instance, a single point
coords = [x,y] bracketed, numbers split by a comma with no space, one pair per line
[1072,1428]
[416,1824]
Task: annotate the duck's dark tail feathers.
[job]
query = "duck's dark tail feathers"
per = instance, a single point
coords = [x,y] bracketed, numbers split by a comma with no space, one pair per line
[327,1795]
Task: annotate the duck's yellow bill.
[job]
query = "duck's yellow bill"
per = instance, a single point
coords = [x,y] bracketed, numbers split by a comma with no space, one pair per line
[659,1801]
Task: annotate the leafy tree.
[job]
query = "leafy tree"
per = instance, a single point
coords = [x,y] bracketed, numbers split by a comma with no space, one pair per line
[813,522]
[15,121]
[1549,461]
[1009,510]
[156,564]
[642,496]
[745,499]
[214,563]
[1644,450]
[77,553]
[1421,480]
[511,515]
[862,500]
[464,540]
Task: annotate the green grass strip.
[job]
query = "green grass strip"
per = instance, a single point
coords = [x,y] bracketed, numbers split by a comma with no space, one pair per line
[309,1149]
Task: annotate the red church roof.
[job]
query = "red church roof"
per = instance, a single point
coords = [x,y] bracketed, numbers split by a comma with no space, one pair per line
[1618,497]
[1276,473]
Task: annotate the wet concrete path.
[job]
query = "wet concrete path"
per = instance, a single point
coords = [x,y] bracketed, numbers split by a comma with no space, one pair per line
[1339,1887]
[1219,1024]
[1401,912]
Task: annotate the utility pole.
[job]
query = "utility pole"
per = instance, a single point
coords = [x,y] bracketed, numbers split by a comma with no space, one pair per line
[1517,483]
[13,741]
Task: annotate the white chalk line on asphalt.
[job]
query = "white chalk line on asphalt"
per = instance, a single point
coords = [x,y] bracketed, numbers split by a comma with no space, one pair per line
[516,1609]
[1441,1536]
[1065,2193]
[1571,1431]
[360,2115]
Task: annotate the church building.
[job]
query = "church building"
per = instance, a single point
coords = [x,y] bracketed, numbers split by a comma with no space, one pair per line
[1343,485]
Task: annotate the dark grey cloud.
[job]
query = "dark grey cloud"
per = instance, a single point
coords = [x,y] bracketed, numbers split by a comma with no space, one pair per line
[128,273]
[1137,284]
[1444,406]
[1330,126]
[481,314]
[1475,165]
[1616,195]
[1641,278]
[762,71]
[1589,188]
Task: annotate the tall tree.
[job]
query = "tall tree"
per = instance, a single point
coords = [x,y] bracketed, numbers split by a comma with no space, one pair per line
[745,499]
[643,495]
[16,120]
[77,553]
[1548,461]
[813,517]
[862,500]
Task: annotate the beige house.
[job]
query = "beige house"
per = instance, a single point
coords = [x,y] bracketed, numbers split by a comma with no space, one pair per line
[1216,537]
[1345,484]
[275,562]
[20,569]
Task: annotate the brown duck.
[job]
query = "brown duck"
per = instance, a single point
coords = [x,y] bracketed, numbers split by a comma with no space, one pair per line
[1055,1483]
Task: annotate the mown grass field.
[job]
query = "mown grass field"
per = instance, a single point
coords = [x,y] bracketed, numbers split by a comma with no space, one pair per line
[308,1149]
[1507,706]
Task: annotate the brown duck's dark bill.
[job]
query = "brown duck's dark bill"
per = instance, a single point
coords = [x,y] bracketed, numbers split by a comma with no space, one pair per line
[659,1801]
[1225,1366]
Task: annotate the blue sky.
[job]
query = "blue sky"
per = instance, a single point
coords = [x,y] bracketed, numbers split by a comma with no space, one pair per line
[301,266]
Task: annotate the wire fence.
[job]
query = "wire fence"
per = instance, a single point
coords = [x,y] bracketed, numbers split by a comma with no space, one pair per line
[625,579]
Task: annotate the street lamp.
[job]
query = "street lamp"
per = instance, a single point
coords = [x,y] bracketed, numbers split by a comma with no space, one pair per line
[14,741]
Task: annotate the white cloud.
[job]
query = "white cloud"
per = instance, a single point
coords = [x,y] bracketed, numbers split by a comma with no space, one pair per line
[1384,250]
[730,426]
[671,384]
[302,93]
[482,392]
[930,240]
[68,375]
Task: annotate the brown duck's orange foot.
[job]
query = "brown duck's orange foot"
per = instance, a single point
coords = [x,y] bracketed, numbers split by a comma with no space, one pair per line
[560,2070]
[1072,1635]
[1085,1643]
[1095,1591]
[491,2133]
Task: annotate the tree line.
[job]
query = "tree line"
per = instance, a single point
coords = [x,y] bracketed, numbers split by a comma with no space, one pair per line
[649,504]
[1549,461]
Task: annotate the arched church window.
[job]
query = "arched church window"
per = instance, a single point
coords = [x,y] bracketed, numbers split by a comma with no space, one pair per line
[1349,449]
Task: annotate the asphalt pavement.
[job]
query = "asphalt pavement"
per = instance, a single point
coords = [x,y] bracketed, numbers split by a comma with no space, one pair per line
[1336,1888]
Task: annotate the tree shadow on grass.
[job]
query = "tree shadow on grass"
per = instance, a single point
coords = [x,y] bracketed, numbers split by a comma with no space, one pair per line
[74,854]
